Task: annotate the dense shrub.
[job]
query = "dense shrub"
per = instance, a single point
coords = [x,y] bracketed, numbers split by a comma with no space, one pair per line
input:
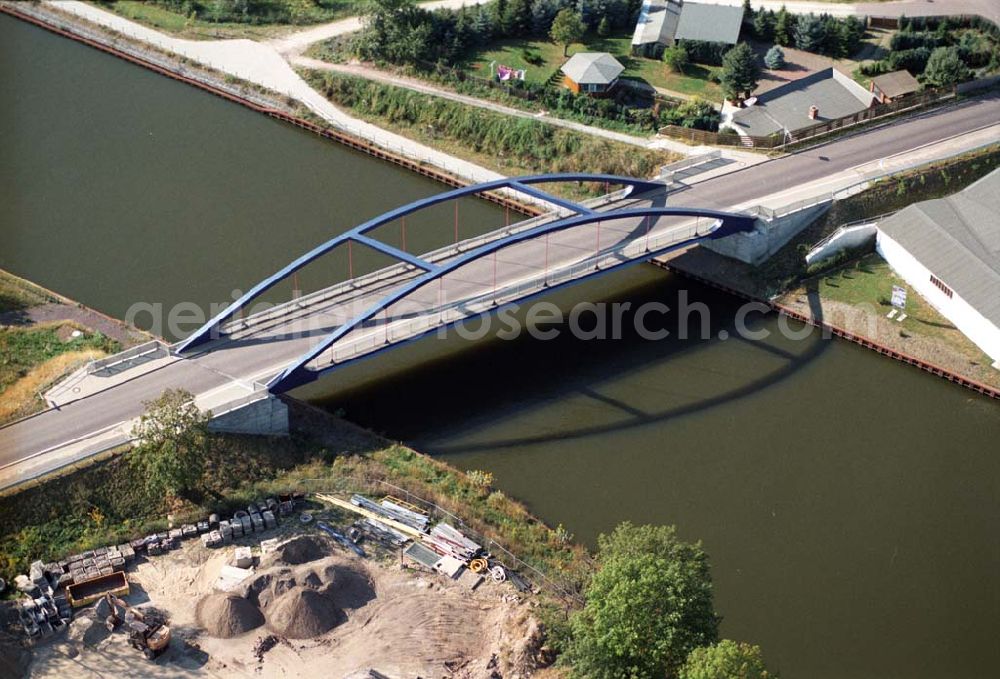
[905,40]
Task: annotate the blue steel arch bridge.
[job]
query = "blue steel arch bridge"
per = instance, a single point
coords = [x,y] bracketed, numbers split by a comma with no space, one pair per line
[315,334]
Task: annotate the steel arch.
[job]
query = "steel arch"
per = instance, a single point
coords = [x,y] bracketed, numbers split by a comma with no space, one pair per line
[296,374]
[521,184]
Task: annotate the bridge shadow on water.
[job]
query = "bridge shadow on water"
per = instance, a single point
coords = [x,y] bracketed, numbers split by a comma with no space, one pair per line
[469,390]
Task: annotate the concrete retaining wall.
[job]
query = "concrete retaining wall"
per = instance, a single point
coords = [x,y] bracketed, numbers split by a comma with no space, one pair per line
[844,238]
[769,236]
[264,416]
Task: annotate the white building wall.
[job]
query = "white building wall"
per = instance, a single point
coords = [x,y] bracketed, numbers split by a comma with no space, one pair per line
[970,322]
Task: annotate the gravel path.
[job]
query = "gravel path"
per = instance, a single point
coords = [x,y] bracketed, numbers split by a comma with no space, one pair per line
[54,312]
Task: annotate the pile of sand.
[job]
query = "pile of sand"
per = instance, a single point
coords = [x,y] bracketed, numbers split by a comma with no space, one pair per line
[303,613]
[227,615]
[299,550]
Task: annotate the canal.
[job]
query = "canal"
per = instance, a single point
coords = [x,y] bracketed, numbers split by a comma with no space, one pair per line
[849,504]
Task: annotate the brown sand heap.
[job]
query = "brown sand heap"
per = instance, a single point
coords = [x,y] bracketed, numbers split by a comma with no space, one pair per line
[227,615]
[299,550]
[302,613]
[310,599]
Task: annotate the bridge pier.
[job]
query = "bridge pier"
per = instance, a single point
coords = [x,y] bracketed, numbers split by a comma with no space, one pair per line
[267,415]
[769,235]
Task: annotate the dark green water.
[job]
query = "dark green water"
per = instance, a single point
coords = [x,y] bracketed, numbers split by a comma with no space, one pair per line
[849,504]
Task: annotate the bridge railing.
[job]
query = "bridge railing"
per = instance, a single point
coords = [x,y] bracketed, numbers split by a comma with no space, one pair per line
[280,314]
[434,318]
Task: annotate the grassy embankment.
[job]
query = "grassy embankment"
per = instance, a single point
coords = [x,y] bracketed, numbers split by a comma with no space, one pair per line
[203,26]
[34,356]
[867,282]
[108,501]
[511,146]
[787,269]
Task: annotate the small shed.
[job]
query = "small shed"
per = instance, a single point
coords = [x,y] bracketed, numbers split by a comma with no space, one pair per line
[890,86]
[594,73]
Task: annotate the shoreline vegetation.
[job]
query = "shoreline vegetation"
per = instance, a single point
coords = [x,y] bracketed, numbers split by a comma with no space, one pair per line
[493,140]
[135,493]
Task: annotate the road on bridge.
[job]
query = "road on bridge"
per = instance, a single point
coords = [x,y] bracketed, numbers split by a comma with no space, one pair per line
[259,356]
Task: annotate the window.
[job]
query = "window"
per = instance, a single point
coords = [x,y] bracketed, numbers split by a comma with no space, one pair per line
[940,285]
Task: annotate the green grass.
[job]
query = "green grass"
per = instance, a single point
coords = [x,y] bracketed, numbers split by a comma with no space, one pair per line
[17,294]
[868,283]
[511,52]
[21,349]
[169,21]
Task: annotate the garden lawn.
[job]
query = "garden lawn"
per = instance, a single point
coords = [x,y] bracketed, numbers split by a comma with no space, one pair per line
[515,52]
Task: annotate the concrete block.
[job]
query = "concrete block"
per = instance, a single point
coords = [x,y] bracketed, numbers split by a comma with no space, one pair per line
[269,520]
[243,558]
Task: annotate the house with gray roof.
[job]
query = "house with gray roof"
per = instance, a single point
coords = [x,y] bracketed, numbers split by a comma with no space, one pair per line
[662,23]
[591,72]
[820,96]
[948,250]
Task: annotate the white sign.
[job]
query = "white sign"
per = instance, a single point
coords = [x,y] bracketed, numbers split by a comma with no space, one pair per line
[898,297]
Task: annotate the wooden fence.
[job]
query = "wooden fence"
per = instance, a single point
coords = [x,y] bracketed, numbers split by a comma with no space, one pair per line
[780,139]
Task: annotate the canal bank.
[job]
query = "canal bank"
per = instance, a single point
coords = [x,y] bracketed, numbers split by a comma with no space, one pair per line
[861,550]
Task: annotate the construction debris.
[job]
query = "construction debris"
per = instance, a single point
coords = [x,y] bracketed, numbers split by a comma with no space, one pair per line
[393,511]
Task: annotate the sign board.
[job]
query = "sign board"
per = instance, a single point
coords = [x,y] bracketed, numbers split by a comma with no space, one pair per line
[898,297]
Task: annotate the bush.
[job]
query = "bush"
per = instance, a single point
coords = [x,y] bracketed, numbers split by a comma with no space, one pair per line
[945,68]
[906,41]
[676,58]
[775,58]
[701,52]
[914,60]
[725,660]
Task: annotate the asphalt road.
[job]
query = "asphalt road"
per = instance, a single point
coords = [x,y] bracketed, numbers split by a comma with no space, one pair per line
[252,357]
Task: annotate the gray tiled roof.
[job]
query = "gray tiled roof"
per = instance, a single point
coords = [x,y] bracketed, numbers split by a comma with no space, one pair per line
[787,106]
[958,239]
[712,23]
[599,68]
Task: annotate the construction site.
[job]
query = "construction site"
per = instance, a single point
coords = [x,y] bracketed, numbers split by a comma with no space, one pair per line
[292,587]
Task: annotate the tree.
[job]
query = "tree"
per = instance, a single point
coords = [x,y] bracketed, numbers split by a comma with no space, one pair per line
[517,17]
[945,68]
[647,607]
[172,442]
[810,33]
[784,27]
[542,14]
[567,28]
[775,58]
[604,27]
[748,14]
[763,25]
[740,72]
[676,58]
[725,660]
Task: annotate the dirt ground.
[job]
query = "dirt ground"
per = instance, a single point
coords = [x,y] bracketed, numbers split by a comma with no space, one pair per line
[401,622]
